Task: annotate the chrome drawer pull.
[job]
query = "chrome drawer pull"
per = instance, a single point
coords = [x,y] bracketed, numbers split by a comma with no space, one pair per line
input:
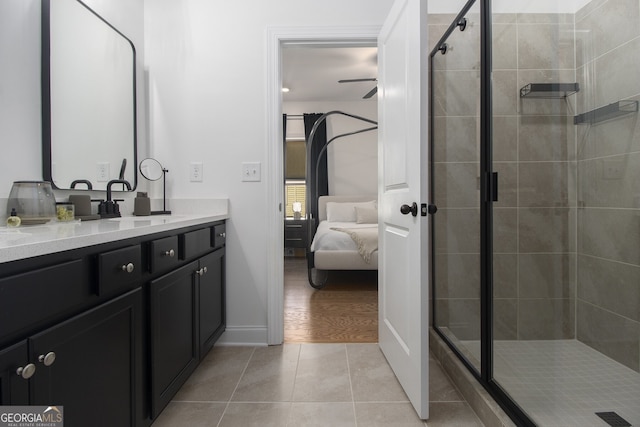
[128,267]
[47,359]
[26,372]
[170,253]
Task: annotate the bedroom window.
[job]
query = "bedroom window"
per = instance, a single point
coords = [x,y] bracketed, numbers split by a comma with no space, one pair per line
[295,175]
[296,192]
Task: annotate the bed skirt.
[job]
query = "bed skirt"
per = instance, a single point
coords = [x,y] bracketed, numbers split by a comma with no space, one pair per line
[343,260]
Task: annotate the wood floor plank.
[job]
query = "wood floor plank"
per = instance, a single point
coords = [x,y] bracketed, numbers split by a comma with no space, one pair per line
[345,310]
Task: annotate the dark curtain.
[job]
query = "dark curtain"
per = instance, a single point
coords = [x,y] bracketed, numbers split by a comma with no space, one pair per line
[320,140]
[284,143]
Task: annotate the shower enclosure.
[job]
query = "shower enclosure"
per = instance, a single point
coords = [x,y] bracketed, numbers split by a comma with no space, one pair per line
[535,162]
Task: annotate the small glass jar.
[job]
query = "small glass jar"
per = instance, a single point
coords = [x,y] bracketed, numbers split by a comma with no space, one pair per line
[65,212]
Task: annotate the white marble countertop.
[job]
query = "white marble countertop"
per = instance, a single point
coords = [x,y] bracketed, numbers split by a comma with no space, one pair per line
[35,240]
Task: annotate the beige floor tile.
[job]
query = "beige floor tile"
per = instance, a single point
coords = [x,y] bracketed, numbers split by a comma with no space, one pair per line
[458,414]
[255,415]
[440,387]
[323,374]
[270,375]
[217,376]
[387,414]
[192,414]
[371,377]
[300,385]
[322,415]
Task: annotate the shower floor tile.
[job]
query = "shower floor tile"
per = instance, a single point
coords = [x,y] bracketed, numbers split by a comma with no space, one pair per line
[564,382]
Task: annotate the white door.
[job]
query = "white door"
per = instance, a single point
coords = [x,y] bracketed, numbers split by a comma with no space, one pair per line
[403,267]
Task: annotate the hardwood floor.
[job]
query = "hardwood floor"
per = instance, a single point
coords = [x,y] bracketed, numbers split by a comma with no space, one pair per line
[344,311]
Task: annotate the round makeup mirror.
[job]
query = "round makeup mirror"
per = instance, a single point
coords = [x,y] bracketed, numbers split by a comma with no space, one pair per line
[152,170]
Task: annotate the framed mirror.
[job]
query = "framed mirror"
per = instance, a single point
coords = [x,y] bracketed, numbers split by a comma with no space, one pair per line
[88,98]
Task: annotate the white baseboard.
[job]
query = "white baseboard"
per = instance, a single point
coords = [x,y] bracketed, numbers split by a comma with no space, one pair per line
[244,335]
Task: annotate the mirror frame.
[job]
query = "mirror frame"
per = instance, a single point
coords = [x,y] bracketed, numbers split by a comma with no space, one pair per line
[45,77]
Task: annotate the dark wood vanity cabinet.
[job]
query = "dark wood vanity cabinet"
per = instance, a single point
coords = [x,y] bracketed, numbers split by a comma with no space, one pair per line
[92,364]
[15,371]
[187,315]
[174,327]
[112,331]
[211,297]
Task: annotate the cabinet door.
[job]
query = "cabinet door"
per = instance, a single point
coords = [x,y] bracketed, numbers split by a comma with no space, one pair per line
[174,349]
[211,300]
[91,364]
[14,389]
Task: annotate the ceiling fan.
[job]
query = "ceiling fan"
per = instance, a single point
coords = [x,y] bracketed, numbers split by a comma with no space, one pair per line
[368,94]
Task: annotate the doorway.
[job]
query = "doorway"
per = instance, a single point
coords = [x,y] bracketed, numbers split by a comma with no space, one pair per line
[278,38]
[319,78]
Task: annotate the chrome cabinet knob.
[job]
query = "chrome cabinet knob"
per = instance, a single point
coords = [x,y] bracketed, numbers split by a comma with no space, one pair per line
[128,267]
[223,235]
[202,271]
[27,371]
[170,253]
[47,359]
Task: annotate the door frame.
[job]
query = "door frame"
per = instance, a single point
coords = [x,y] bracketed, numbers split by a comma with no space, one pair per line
[276,38]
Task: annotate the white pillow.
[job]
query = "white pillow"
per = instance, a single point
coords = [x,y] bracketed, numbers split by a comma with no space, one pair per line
[345,211]
[366,215]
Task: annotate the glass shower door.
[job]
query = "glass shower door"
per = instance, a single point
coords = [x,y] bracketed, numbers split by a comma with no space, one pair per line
[455,74]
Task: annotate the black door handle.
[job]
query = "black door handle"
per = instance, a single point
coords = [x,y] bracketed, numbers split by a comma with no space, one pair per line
[405,209]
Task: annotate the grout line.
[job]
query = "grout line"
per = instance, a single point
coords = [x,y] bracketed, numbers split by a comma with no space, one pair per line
[353,398]
[293,388]
[236,387]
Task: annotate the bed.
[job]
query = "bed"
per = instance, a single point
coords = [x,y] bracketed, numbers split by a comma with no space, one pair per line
[343,230]
[346,236]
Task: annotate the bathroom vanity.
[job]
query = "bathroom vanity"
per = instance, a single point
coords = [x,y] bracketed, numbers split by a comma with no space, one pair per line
[109,318]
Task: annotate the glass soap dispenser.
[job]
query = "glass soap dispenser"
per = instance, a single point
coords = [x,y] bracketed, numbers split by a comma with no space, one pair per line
[13,220]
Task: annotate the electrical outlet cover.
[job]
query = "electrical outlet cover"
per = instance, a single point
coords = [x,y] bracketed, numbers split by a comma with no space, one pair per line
[195,172]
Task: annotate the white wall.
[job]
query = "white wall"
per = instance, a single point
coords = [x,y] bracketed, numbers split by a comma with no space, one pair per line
[20,106]
[511,6]
[352,161]
[208,102]
[20,134]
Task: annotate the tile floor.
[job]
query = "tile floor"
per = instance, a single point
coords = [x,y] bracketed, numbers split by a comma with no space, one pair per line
[563,383]
[307,385]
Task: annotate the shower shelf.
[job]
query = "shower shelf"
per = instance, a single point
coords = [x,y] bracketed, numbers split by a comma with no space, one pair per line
[549,90]
[607,112]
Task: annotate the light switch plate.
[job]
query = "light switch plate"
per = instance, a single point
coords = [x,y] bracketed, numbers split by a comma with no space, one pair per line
[251,172]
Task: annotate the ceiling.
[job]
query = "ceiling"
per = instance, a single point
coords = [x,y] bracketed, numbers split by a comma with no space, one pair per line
[311,72]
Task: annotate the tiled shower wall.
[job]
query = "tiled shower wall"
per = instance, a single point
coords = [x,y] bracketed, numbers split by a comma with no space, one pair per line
[536,297]
[534,155]
[567,225]
[608,273]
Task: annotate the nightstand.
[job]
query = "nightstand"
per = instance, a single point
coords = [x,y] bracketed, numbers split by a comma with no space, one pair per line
[295,233]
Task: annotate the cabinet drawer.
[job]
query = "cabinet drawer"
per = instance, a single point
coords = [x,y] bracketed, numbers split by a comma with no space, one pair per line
[163,254]
[119,270]
[28,298]
[295,234]
[195,243]
[219,236]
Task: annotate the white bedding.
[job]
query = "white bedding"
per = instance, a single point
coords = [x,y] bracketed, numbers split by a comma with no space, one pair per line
[327,239]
